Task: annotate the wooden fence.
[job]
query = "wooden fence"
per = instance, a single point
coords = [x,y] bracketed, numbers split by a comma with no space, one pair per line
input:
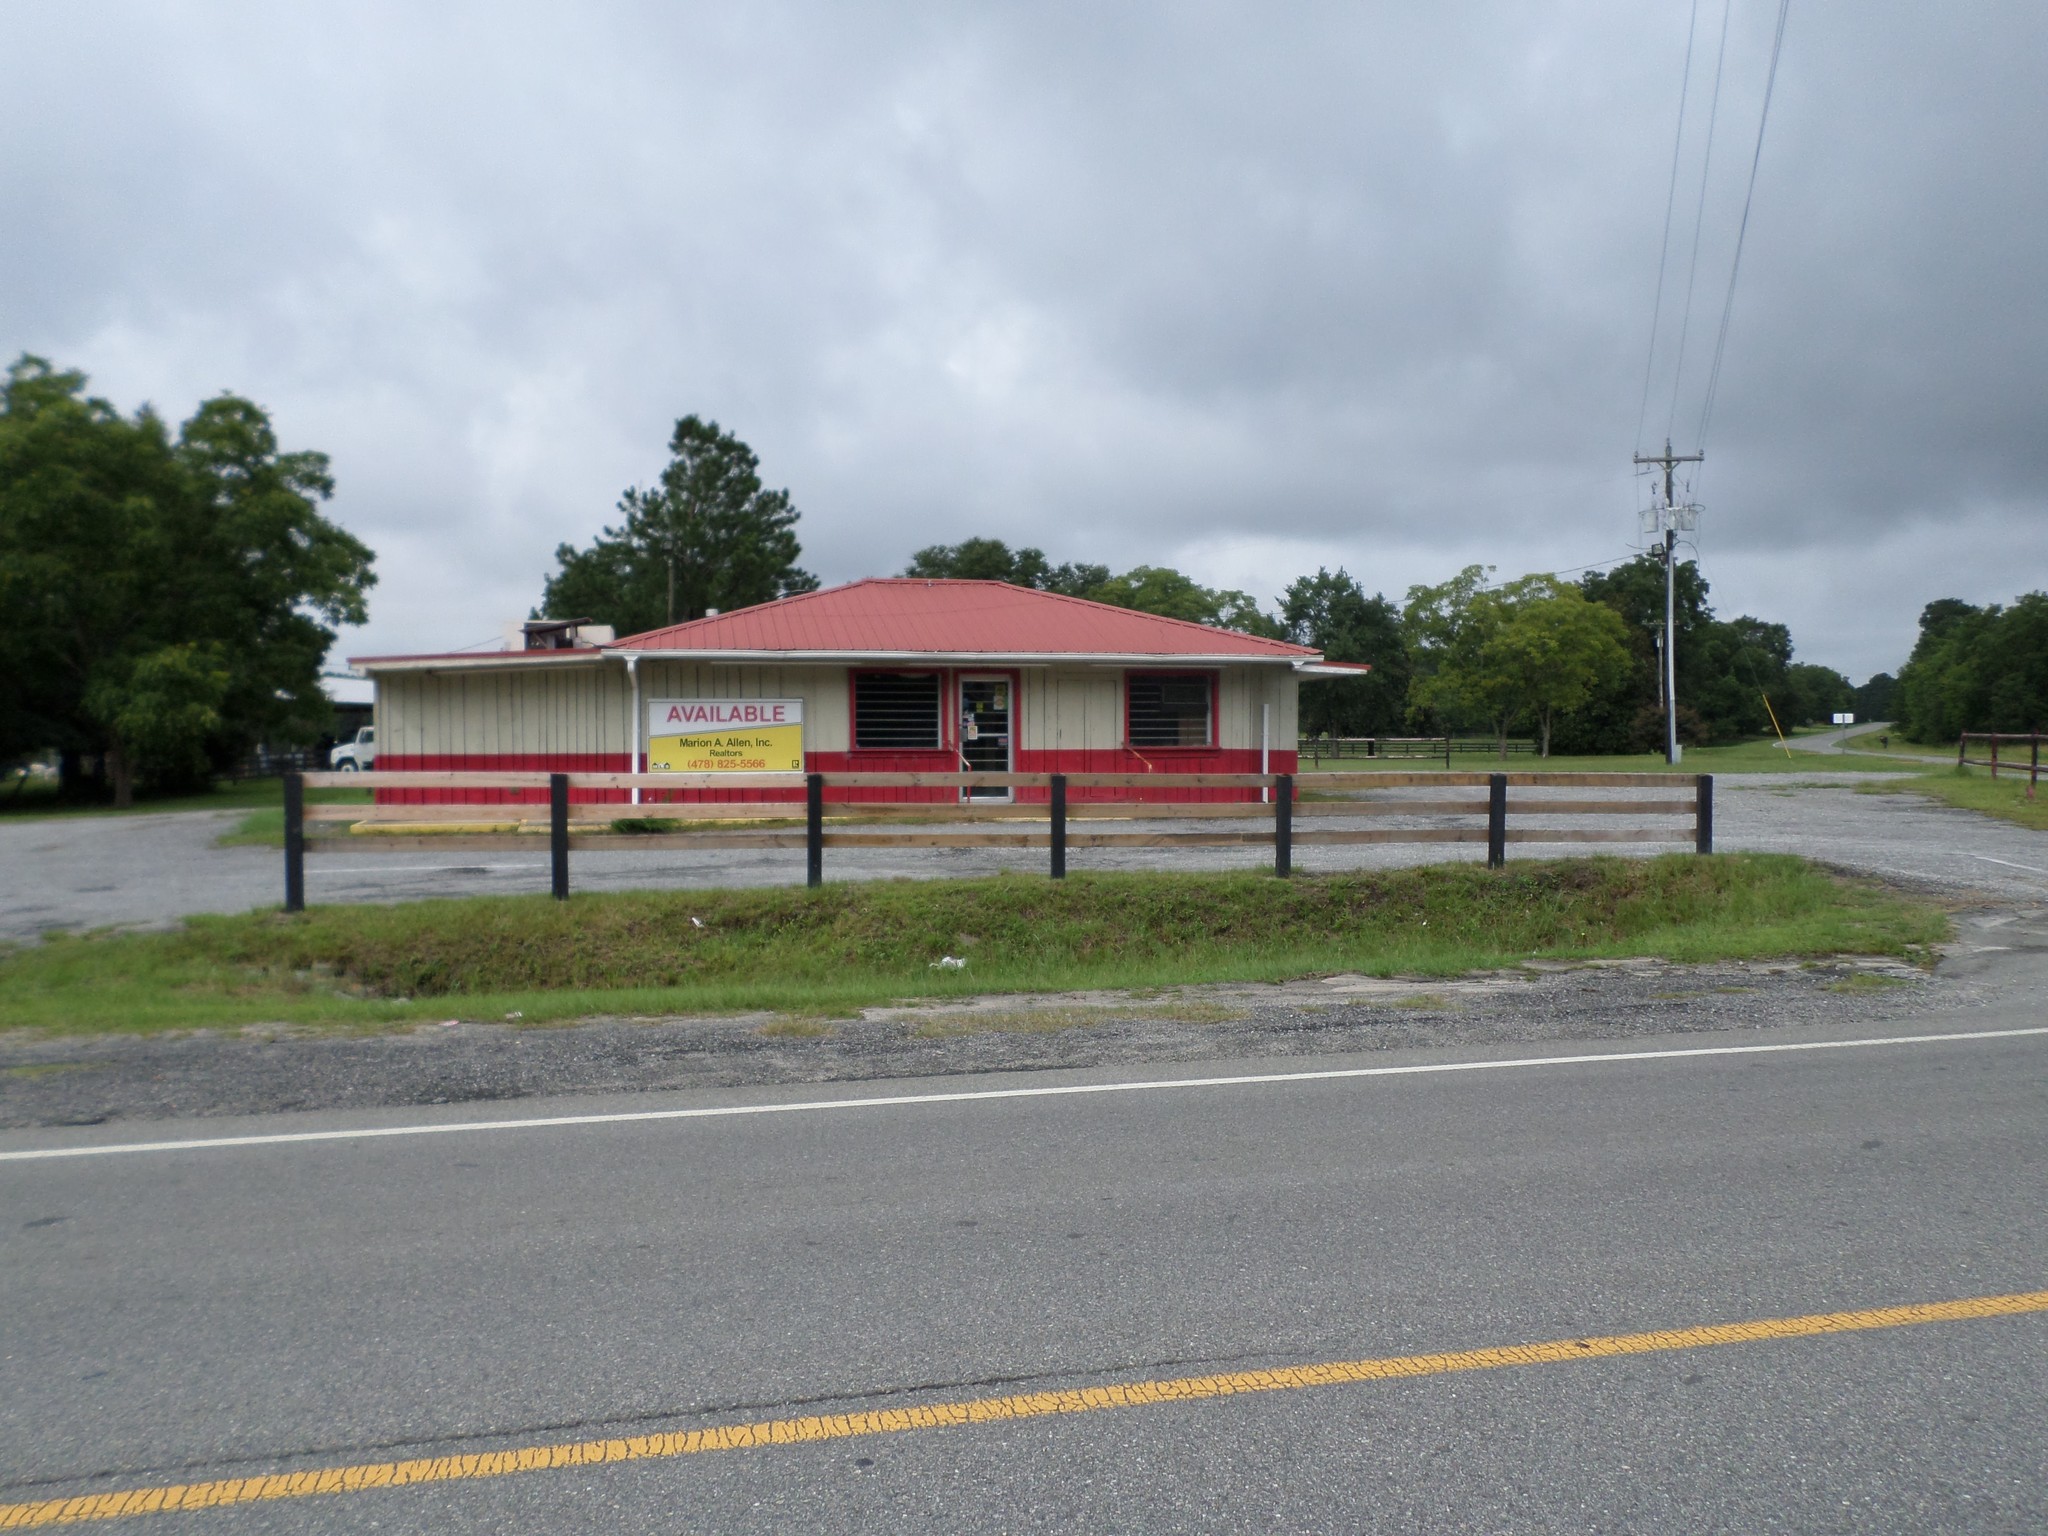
[1337,748]
[1287,821]
[2031,740]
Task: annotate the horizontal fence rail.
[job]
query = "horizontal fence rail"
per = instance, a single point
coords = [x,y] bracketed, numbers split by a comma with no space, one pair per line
[819,811]
[1989,740]
[1337,748]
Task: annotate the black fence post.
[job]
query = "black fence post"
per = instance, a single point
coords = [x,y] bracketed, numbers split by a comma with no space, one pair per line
[1703,813]
[294,842]
[558,833]
[1059,826]
[814,829]
[1283,825]
[1496,820]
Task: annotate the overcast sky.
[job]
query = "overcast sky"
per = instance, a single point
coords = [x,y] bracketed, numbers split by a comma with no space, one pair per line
[1240,289]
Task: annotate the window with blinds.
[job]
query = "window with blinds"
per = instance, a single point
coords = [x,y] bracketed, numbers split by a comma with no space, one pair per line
[1168,711]
[896,709]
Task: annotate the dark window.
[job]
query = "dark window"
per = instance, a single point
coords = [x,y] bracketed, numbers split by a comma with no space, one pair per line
[1169,711]
[896,709]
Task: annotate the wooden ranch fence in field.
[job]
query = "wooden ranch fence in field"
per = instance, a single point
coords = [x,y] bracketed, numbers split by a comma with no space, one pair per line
[1989,740]
[1338,748]
[1682,810]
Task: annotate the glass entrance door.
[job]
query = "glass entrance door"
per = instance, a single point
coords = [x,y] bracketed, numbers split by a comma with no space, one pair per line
[985,734]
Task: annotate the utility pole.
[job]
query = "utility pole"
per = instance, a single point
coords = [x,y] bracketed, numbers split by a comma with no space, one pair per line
[1669,518]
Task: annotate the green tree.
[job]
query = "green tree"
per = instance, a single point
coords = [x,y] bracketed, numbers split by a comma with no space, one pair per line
[1817,694]
[1147,588]
[1333,614]
[260,573]
[1878,698]
[982,560]
[162,711]
[1556,649]
[1459,678]
[1976,669]
[1072,580]
[1487,655]
[173,597]
[1162,590]
[1726,668]
[1628,715]
[709,535]
[1740,677]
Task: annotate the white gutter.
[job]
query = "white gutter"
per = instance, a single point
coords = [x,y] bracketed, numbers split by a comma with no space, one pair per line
[370,666]
[1265,746]
[633,682]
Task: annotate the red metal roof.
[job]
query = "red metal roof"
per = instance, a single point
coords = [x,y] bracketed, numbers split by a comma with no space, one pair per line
[897,615]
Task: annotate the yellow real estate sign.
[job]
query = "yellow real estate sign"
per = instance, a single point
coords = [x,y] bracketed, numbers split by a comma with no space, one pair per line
[725,736]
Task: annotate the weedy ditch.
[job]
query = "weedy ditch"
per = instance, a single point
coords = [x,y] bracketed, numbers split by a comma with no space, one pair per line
[864,944]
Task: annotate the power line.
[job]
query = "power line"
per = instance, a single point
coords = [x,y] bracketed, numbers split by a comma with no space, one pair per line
[1664,251]
[1742,232]
[1699,220]
[1594,565]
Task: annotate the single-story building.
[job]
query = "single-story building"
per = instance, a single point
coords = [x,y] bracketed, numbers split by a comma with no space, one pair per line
[884,675]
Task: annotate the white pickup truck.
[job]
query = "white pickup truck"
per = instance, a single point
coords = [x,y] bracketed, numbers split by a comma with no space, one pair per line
[355,756]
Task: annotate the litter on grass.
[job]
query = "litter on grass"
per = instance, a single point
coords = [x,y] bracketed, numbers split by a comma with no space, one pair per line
[949,963]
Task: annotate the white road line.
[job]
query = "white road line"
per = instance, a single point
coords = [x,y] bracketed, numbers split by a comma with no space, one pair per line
[2008,863]
[723,1111]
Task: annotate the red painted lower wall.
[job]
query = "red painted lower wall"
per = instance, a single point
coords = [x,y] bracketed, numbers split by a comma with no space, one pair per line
[1111,760]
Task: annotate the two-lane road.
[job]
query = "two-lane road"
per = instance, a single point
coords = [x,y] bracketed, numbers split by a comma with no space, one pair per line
[185,1318]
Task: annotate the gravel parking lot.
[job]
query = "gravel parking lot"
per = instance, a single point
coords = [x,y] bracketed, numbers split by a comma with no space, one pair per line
[143,871]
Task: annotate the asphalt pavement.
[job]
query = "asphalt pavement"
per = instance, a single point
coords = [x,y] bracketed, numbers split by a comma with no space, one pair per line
[179,1317]
[149,871]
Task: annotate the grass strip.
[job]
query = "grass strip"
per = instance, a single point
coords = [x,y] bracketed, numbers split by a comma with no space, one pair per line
[1743,757]
[1973,789]
[861,944]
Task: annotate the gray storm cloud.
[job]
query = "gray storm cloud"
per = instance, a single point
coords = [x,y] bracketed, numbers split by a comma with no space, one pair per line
[1244,289]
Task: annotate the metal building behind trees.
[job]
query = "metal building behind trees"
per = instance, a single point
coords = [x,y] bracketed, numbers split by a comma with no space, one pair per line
[883,675]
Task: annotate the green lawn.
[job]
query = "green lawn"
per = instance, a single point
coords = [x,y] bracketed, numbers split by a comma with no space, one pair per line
[1746,757]
[860,943]
[1973,789]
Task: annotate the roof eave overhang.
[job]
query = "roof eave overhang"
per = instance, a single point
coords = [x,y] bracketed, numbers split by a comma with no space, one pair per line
[369,666]
[966,658]
[500,660]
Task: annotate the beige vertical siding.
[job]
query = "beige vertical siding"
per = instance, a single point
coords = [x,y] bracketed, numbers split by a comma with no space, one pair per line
[1073,709]
[1244,691]
[587,709]
[504,710]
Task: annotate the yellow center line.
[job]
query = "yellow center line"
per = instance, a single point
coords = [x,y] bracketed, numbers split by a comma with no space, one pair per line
[983,1410]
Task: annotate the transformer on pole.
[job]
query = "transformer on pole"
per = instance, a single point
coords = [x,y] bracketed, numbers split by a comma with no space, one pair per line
[1670,517]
